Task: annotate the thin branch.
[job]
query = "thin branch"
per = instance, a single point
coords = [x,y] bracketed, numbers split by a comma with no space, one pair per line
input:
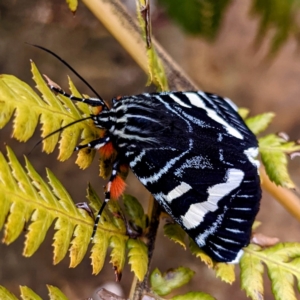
[287,198]
[138,289]
[121,25]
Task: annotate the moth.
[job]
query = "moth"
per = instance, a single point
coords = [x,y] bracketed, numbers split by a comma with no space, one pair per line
[194,154]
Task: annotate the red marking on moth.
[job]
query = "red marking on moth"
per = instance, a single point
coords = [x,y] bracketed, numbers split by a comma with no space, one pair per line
[117,187]
[124,169]
[97,110]
[107,150]
[118,97]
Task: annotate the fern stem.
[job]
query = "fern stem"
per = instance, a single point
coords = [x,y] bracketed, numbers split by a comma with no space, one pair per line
[139,288]
[113,15]
[287,198]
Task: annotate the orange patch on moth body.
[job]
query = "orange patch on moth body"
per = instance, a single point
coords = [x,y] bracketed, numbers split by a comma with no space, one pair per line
[107,150]
[124,169]
[97,110]
[117,188]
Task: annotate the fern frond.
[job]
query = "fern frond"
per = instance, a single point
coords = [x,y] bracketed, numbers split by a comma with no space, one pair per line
[5,294]
[164,283]
[156,69]
[27,293]
[55,293]
[137,251]
[194,296]
[283,265]
[175,233]
[259,123]
[72,5]
[27,201]
[225,272]
[274,150]
[135,211]
[138,258]
[51,111]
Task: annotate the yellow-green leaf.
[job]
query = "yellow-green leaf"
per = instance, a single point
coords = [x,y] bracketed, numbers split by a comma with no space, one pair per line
[195,250]
[156,70]
[135,210]
[273,150]
[251,275]
[27,200]
[55,293]
[60,192]
[163,284]
[28,294]
[62,238]
[175,233]
[243,112]
[225,272]
[138,258]
[51,111]
[259,123]
[99,250]
[37,230]
[96,203]
[282,282]
[6,295]
[282,262]
[72,5]
[118,220]
[118,254]
[80,242]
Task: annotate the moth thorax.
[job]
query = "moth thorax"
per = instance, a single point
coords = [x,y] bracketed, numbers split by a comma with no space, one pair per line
[104,120]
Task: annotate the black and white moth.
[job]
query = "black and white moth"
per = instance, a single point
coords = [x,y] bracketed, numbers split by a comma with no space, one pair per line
[197,157]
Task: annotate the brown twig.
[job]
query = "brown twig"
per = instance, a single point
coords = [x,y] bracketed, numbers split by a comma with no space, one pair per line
[287,198]
[114,16]
[138,289]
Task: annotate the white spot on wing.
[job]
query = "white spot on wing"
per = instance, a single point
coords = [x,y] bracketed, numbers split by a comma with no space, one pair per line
[251,154]
[196,162]
[231,103]
[156,176]
[177,100]
[234,230]
[237,220]
[228,240]
[201,238]
[237,258]
[197,101]
[178,191]
[241,208]
[194,216]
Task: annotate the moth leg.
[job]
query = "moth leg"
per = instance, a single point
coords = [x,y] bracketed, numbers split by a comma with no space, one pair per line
[107,195]
[90,101]
[95,144]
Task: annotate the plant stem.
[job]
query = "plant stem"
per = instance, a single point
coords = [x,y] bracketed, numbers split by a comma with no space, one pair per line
[114,16]
[287,198]
[138,288]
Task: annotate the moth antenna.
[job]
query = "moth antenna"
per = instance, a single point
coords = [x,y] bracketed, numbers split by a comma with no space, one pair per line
[105,106]
[56,131]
